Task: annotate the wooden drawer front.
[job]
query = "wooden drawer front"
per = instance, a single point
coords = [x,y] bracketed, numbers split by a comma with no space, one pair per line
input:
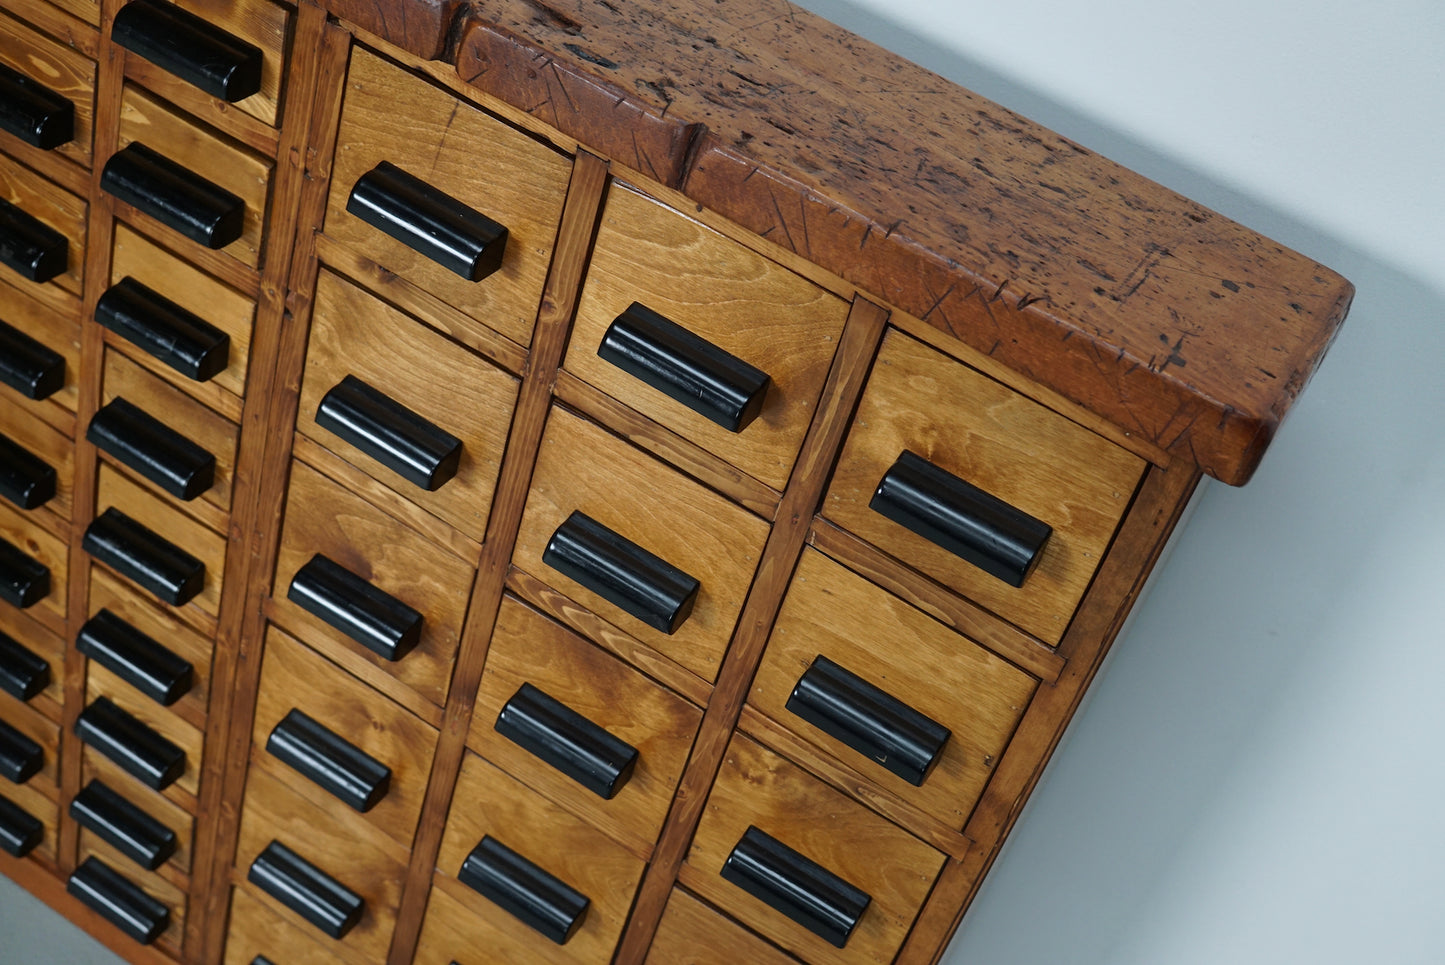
[334,840]
[40,730]
[179,138]
[583,468]
[872,635]
[528,648]
[489,803]
[39,806]
[725,294]
[57,332]
[355,335]
[61,71]
[48,646]
[55,208]
[100,682]
[161,806]
[997,440]
[256,932]
[136,257]
[87,10]
[47,444]
[757,788]
[323,518]
[36,546]
[296,678]
[161,888]
[692,933]
[483,164]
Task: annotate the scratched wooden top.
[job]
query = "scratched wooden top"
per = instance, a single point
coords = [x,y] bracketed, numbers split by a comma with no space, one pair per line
[1168,319]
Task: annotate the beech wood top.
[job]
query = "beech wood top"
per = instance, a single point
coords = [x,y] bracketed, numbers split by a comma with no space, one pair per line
[1177,324]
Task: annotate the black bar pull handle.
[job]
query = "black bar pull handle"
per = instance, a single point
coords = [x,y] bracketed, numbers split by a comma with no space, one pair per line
[23,673]
[181,43]
[33,112]
[26,365]
[329,761]
[975,526]
[183,340]
[139,660]
[24,581]
[373,618]
[20,757]
[25,479]
[118,822]
[557,734]
[131,744]
[796,886]
[685,367]
[387,431]
[20,831]
[146,444]
[430,222]
[517,886]
[31,247]
[621,572]
[119,900]
[175,196]
[307,890]
[138,554]
[871,721]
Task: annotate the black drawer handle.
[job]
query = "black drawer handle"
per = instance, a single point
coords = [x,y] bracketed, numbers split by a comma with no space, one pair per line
[329,761]
[127,828]
[621,572]
[871,721]
[25,479]
[971,524]
[20,757]
[30,246]
[24,582]
[430,222]
[389,432]
[181,43]
[306,889]
[26,365]
[136,658]
[20,831]
[178,198]
[184,341]
[133,551]
[574,745]
[33,112]
[146,444]
[23,674]
[523,890]
[119,900]
[796,886]
[373,618]
[131,744]
[685,367]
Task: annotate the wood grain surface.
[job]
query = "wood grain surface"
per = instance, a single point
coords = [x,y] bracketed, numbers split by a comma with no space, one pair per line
[100,682]
[42,808]
[59,68]
[692,933]
[58,331]
[163,809]
[59,210]
[43,643]
[154,883]
[48,445]
[21,531]
[43,731]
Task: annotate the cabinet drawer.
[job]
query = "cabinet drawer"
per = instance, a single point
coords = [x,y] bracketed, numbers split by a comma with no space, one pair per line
[583,468]
[26,550]
[257,932]
[875,638]
[656,724]
[156,886]
[693,933]
[34,730]
[43,644]
[101,682]
[469,156]
[758,789]
[56,210]
[490,804]
[725,294]
[39,806]
[355,336]
[159,805]
[87,10]
[989,436]
[54,399]
[59,70]
[46,444]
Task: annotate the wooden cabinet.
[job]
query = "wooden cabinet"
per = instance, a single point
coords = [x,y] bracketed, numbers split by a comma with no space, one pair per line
[599,488]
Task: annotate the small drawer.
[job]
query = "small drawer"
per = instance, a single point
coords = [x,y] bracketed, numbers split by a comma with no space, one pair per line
[473,169]
[29,746]
[693,933]
[415,421]
[530,836]
[33,574]
[142,916]
[41,643]
[108,816]
[233,176]
[337,845]
[583,469]
[857,880]
[41,448]
[87,10]
[376,557]
[62,73]
[27,821]
[42,231]
[332,738]
[169,731]
[168,894]
[572,754]
[728,317]
[155,804]
[39,358]
[979,435]
[257,934]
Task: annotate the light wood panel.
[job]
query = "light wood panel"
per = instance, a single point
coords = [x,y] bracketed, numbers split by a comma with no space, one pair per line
[58,331]
[56,208]
[100,682]
[692,933]
[41,642]
[257,930]
[453,934]
[40,807]
[87,10]
[157,805]
[157,885]
[59,68]
[20,530]
[43,731]
[45,443]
